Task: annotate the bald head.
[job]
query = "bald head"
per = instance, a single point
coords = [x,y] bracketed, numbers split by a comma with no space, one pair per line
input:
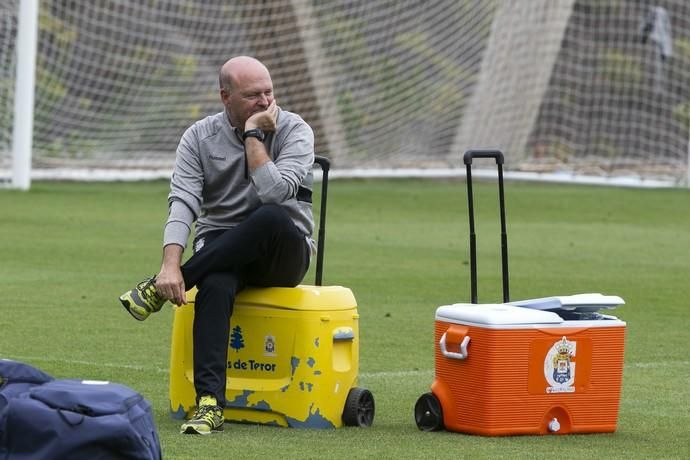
[245,88]
[241,68]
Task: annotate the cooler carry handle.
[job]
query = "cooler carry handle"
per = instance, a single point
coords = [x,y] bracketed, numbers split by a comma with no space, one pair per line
[456,337]
[453,354]
[467,158]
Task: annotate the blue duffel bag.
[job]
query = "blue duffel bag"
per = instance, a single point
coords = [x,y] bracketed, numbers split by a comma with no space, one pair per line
[77,419]
[17,378]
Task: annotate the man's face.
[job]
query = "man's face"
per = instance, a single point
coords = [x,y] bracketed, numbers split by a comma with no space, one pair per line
[251,92]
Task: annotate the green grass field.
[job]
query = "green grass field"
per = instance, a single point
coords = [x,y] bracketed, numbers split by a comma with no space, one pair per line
[69,249]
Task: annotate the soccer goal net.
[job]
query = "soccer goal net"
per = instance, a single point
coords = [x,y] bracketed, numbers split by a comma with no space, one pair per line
[567,87]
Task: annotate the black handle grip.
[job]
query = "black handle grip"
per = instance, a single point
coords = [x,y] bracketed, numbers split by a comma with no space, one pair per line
[323,162]
[496,154]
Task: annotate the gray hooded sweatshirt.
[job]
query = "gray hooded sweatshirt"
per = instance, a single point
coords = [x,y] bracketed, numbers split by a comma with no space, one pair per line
[211,183]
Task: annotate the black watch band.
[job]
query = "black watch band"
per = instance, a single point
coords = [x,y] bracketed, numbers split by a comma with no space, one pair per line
[256,132]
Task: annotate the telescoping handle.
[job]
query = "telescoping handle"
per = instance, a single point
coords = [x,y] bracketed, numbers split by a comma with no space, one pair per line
[467,158]
[321,239]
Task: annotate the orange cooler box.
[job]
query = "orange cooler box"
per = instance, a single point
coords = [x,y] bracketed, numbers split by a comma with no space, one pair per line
[509,370]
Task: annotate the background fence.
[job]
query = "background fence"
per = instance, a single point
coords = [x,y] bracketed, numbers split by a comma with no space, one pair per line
[578,87]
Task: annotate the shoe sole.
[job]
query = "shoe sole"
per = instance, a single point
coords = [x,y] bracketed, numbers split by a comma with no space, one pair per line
[126,304]
[192,430]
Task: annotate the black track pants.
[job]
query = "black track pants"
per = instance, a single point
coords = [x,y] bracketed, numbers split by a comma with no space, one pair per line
[266,249]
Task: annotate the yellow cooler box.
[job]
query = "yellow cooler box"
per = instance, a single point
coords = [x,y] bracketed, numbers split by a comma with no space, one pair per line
[293,359]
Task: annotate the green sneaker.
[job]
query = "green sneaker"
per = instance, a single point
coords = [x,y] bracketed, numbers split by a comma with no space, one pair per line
[143,300]
[207,419]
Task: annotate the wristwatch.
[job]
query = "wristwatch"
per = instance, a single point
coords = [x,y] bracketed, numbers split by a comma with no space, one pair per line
[256,132]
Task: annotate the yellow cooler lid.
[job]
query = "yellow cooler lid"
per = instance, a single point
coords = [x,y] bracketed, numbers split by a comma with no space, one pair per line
[303,297]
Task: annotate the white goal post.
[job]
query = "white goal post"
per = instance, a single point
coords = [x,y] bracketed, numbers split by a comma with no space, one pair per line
[570,90]
[22,132]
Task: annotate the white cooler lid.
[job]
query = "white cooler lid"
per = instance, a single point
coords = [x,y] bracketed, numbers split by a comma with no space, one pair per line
[494,314]
[580,303]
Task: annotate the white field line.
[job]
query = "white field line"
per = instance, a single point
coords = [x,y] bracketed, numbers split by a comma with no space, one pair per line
[133,367]
[366,375]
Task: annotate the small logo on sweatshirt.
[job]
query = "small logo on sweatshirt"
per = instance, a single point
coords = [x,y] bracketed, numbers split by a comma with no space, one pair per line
[218,157]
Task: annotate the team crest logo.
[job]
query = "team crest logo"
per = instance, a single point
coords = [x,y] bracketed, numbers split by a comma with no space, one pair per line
[269,345]
[559,368]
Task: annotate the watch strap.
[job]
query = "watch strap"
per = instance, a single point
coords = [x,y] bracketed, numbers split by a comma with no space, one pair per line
[256,132]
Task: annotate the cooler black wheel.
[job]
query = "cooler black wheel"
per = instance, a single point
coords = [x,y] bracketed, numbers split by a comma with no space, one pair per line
[359,408]
[428,413]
